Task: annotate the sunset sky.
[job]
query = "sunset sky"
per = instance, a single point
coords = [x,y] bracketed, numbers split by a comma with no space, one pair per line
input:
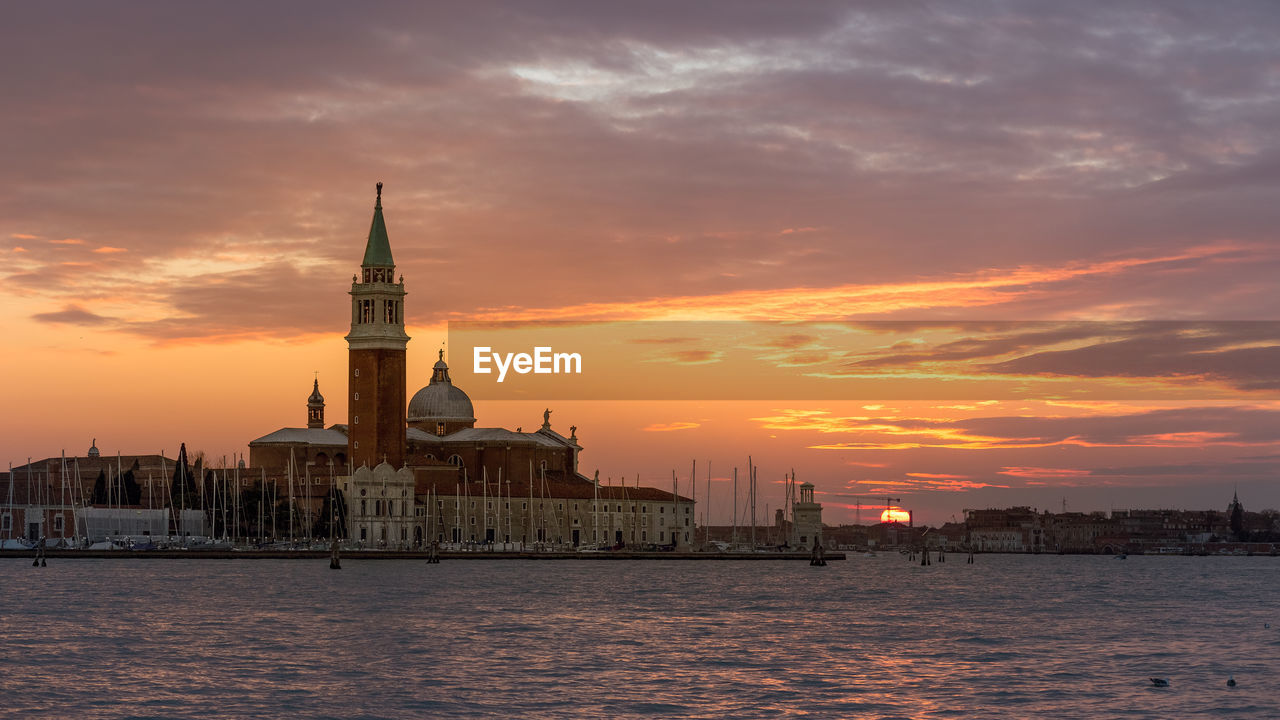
[1069,210]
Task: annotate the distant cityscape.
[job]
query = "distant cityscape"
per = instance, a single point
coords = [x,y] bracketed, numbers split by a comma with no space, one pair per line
[1023,529]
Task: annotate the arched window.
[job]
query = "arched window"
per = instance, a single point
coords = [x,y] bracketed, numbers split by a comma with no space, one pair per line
[456,461]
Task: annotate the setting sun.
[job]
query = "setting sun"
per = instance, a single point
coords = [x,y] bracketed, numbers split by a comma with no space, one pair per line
[895,515]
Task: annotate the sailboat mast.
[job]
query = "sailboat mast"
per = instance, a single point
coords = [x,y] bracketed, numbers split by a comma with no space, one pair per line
[751,493]
[293,463]
[262,506]
[62,477]
[735,507]
[9,505]
[675,508]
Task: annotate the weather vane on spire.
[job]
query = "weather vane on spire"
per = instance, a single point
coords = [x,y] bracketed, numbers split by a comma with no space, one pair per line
[378,203]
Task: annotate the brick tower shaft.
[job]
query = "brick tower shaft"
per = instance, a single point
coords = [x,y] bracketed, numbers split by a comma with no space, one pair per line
[376,377]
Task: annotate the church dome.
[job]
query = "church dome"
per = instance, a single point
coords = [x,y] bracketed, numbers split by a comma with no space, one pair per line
[315,398]
[440,400]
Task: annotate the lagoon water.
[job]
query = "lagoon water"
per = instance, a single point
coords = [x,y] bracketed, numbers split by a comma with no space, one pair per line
[1008,637]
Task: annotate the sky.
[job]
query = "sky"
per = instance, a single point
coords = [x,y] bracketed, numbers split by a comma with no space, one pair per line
[1069,206]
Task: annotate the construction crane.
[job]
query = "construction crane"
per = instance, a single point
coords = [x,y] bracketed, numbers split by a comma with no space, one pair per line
[888,502]
[857,516]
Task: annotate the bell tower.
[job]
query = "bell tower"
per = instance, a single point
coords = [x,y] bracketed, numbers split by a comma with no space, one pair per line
[315,406]
[376,355]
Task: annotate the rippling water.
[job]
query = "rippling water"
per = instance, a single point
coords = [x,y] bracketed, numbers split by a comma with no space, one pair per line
[1010,636]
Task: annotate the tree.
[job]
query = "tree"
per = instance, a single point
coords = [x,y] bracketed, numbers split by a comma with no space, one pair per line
[183,491]
[99,496]
[130,490]
[335,507]
[1237,521]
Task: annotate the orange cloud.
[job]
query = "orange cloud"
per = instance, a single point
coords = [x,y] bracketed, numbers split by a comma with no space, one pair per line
[23,236]
[106,249]
[937,476]
[671,427]
[1040,472]
[67,241]
[984,288]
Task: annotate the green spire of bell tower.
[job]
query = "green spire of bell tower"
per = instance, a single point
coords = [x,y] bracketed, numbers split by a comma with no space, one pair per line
[378,252]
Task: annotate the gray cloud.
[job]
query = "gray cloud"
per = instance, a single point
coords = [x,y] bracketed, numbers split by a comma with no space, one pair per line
[920,139]
[72,315]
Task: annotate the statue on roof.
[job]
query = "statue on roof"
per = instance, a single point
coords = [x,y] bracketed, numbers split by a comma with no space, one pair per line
[546,418]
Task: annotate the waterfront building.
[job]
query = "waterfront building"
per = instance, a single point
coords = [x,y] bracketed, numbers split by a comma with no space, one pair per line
[806,527]
[397,474]
[411,473]
[91,495]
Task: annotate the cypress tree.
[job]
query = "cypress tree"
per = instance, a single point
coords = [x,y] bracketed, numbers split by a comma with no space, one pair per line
[183,487]
[99,489]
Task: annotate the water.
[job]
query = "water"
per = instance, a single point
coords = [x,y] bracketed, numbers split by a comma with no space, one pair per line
[1010,636]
